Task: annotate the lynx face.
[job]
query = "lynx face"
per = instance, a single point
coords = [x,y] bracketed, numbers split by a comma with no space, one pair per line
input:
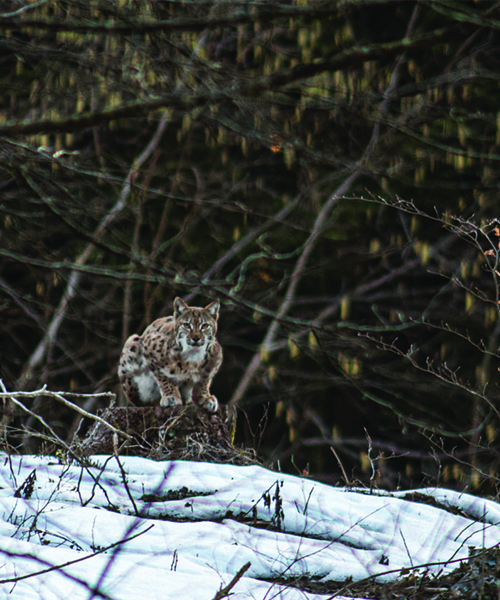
[196,328]
[175,359]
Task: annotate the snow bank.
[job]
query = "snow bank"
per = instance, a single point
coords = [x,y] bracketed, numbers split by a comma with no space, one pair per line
[136,528]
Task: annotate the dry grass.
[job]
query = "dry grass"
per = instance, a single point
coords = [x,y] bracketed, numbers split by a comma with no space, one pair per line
[167,433]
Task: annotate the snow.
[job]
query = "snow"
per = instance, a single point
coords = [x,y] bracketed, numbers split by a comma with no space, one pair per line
[132,528]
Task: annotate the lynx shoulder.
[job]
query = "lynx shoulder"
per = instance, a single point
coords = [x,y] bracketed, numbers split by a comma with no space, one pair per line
[175,359]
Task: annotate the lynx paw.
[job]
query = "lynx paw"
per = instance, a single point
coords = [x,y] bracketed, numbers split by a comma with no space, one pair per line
[170,401]
[209,403]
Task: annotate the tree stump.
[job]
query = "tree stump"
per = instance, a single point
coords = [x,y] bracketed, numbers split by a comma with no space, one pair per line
[166,433]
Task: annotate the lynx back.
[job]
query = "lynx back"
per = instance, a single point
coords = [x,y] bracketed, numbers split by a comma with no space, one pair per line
[175,359]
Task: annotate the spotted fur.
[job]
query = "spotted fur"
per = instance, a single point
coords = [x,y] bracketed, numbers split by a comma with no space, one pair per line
[175,359]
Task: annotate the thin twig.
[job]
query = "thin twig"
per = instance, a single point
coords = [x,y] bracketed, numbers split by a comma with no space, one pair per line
[224,591]
[372,464]
[61,566]
[58,396]
[125,483]
[344,474]
[42,421]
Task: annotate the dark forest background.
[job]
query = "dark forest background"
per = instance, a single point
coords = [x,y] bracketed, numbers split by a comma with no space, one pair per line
[329,170]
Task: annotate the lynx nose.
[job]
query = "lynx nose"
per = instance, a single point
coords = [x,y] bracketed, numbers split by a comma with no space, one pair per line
[196,340]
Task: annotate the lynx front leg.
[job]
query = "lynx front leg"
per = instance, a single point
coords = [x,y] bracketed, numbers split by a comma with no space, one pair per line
[170,393]
[201,391]
[203,397]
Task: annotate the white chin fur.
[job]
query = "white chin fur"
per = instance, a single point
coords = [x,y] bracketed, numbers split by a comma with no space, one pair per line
[193,353]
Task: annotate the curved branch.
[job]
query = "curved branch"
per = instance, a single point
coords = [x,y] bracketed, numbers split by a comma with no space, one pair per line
[347,58]
[318,227]
[76,275]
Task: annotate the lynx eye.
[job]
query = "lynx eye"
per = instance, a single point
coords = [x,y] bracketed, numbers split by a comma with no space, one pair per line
[205,326]
[186,325]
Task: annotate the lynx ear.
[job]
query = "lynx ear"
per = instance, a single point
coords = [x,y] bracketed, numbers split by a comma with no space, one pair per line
[179,306]
[213,309]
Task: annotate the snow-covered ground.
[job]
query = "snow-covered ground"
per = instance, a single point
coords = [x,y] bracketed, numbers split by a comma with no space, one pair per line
[134,528]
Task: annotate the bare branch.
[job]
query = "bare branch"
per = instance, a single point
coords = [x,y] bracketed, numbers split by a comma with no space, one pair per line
[319,225]
[75,277]
[224,591]
[60,398]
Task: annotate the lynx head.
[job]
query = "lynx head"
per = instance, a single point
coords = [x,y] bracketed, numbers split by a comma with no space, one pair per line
[196,327]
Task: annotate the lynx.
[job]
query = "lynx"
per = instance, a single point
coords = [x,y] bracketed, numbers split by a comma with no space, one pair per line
[175,359]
